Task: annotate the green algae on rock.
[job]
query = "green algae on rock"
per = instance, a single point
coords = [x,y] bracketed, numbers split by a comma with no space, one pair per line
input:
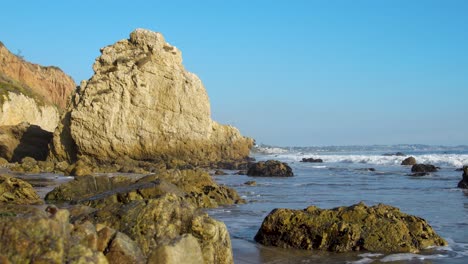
[17,191]
[379,228]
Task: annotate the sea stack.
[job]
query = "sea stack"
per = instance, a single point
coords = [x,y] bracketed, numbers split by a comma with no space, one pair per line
[142,104]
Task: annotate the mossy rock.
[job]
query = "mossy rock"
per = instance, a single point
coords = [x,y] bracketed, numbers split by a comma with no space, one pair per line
[380,228]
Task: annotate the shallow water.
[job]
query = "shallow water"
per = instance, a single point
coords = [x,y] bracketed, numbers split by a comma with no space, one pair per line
[345,179]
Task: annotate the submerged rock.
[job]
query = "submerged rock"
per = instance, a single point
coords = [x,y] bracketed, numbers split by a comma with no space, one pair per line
[17,191]
[312,160]
[464,181]
[394,154]
[409,161]
[270,168]
[379,228]
[141,103]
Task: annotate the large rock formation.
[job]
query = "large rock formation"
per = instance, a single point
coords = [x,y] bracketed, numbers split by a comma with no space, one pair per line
[379,228]
[49,83]
[141,103]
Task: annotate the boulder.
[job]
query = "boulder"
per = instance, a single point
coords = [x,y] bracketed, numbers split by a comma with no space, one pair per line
[464,181]
[17,191]
[219,173]
[184,249]
[250,183]
[24,140]
[270,168]
[379,228]
[141,103]
[312,160]
[31,235]
[422,169]
[409,161]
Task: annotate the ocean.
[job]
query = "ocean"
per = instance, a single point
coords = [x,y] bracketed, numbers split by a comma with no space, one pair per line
[347,176]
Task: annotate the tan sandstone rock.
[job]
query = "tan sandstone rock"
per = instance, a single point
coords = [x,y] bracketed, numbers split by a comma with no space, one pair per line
[141,103]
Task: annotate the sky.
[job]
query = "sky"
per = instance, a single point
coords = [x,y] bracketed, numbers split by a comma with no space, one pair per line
[286,73]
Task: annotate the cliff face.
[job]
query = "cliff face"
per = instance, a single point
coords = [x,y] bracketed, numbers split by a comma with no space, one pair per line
[142,103]
[50,83]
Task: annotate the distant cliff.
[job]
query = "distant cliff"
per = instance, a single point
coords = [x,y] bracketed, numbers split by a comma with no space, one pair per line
[31,93]
[141,103]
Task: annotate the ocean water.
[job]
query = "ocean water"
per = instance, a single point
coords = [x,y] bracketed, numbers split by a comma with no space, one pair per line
[343,179]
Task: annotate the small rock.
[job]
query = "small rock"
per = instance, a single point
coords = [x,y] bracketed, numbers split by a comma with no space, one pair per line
[46,166]
[409,161]
[423,168]
[219,172]
[123,249]
[270,168]
[250,183]
[241,172]
[61,166]
[312,160]
[464,181]
[394,154]
[3,162]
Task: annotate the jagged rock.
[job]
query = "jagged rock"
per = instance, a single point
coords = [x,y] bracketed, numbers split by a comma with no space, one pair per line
[31,235]
[270,168]
[156,222]
[141,103]
[17,191]
[312,160]
[422,169]
[380,228]
[464,181]
[24,140]
[409,161]
[46,166]
[184,249]
[51,84]
[122,250]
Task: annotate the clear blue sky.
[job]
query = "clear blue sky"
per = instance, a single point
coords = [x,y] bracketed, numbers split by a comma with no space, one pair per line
[284,72]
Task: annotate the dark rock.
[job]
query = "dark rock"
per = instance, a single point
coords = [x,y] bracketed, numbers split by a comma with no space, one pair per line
[241,172]
[250,183]
[379,228]
[24,140]
[312,160]
[270,168]
[464,181]
[394,154]
[423,168]
[219,173]
[409,161]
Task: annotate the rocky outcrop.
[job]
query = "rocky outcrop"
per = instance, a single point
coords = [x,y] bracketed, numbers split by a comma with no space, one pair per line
[24,140]
[379,228]
[142,104]
[17,191]
[195,186]
[464,181]
[32,235]
[51,84]
[270,168]
[160,222]
[409,161]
